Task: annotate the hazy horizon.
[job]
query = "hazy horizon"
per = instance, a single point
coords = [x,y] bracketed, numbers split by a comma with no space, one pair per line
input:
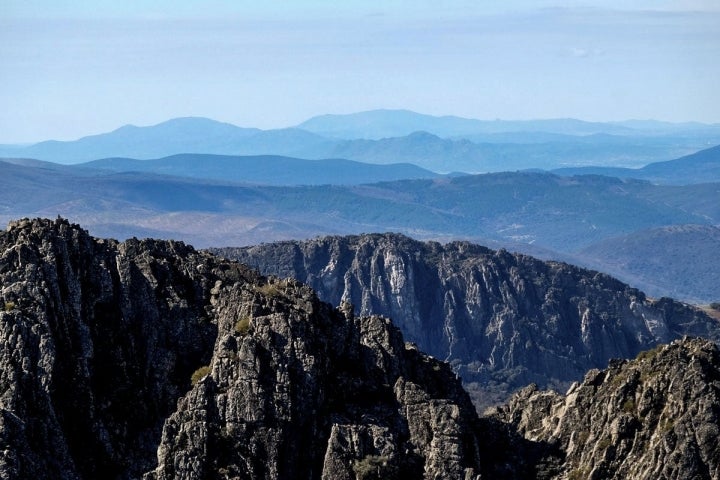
[89,134]
[71,69]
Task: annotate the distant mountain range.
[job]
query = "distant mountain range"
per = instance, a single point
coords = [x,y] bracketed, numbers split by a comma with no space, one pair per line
[377,124]
[679,261]
[424,148]
[265,169]
[176,180]
[541,209]
[440,144]
[702,166]
[459,154]
[623,227]
[180,135]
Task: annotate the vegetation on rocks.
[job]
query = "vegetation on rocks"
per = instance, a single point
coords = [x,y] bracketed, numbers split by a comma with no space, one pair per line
[94,375]
[502,320]
[199,374]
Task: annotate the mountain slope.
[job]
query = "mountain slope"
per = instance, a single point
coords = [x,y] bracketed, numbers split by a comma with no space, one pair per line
[547,211]
[466,145]
[494,153]
[699,167]
[422,149]
[101,339]
[702,166]
[265,169]
[502,320]
[679,261]
[376,124]
[176,136]
[148,359]
[653,417]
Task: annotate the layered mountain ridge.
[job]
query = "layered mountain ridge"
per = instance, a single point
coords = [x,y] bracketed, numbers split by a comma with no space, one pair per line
[502,320]
[440,144]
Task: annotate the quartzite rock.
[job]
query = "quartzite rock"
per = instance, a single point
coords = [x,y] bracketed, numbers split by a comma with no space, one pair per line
[655,417]
[502,320]
[100,340]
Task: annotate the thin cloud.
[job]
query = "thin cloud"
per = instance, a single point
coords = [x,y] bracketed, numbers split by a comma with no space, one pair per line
[580,52]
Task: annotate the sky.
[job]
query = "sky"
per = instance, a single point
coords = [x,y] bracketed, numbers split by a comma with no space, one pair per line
[74,68]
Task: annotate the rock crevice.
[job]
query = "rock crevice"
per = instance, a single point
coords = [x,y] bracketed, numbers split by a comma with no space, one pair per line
[102,342]
[502,320]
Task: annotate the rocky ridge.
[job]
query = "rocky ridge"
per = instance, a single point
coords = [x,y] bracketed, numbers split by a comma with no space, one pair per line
[100,340]
[656,417]
[148,359]
[502,320]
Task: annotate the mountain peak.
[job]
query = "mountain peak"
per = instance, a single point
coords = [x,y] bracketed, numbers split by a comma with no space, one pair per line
[375,124]
[186,123]
[652,417]
[148,358]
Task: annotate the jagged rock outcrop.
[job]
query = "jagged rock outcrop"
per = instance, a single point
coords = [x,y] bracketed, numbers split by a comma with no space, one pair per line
[503,320]
[655,417]
[307,394]
[100,339]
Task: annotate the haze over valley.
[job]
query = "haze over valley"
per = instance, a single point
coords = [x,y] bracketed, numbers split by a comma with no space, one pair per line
[225,198]
[459,240]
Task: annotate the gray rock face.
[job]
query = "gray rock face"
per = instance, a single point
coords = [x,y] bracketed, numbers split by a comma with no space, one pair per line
[307,394]
[502,320]
[100,340]
[655,417]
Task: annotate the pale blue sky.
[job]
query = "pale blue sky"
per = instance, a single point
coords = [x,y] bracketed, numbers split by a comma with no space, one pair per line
[73,68]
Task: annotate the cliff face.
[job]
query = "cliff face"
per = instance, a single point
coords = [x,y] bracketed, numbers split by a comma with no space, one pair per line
[657,416]
[100,340]
[502,320]
[306,393]
[147,359]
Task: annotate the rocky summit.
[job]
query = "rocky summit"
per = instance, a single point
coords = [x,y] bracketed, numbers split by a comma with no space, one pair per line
[656,417]
[502,320]
[148,359]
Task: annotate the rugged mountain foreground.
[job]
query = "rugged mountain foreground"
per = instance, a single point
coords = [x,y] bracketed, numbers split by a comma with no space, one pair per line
[148,359]
[100,340]
[656,417]
[502,320]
